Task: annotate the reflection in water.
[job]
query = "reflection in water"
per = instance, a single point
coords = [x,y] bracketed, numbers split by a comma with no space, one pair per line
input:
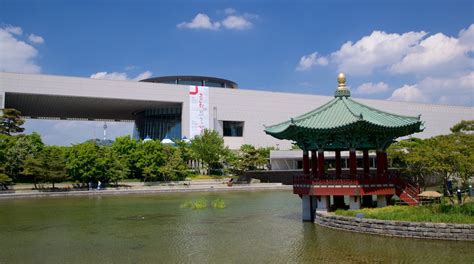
[256,227]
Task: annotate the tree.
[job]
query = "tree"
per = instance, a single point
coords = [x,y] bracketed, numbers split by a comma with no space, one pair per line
[4,179]
[33,168]
[174,168]
[22,148]
[54,164]
[10,121]
[463,126]
[150,157]
[441,157]
[209,148]
[5,144]
[250,158]
[83,162]
[115,167]
[185,150]
[124,148]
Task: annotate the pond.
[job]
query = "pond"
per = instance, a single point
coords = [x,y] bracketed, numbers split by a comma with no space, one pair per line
[255,227]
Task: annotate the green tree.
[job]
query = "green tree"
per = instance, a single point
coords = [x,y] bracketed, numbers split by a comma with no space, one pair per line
[10,121]
[250,158]
[4,179]
[33,169]
[174,168]
[463,126]
[209,149]
[83,162]
[115,167]
[185,149]
[5,144]
[124,148]
[22,148]
[441,157]
[150,157]
[54,164]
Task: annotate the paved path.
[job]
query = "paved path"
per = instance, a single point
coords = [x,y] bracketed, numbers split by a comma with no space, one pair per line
[202,187]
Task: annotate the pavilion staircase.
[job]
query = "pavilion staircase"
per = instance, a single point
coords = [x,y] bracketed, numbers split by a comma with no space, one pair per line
[407,193]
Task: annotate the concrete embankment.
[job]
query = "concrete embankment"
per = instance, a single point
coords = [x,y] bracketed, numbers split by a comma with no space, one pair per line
[189,187]
[441,231]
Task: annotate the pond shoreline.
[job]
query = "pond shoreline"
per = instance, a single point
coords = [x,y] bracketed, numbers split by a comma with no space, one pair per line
[405,229]
[148,189]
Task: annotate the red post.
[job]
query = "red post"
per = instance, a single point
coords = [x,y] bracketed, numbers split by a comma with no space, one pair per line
[352,163]
[305,162]
[338,164]
[321,163]
[314,163]
[380,165]
[385,162]
[366,163]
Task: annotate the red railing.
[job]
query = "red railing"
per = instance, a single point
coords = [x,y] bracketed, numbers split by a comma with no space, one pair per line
[391,176]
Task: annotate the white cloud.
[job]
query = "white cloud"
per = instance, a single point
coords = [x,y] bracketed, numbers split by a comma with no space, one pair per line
[143,75]
[16,55]
[36,39]
[232,21]
[452,90]
[378,50]
[14,30]
[201,21]
[236,22]
[120,76]
[408,93]
[466,37]
[437,53]
[371,88]
[440,66]
[308,61]
[407,53]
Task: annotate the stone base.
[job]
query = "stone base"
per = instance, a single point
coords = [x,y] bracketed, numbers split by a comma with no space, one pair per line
[438,231]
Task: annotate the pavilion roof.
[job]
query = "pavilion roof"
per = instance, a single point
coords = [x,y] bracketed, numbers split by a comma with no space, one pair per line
[347,117]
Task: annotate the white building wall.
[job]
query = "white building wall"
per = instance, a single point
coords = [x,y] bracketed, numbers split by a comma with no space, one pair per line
[255,108]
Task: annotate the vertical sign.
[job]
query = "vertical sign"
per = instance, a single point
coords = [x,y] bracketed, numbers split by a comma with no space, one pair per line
[198,110]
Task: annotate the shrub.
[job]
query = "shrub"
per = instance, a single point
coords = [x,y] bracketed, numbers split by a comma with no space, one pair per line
[218,204]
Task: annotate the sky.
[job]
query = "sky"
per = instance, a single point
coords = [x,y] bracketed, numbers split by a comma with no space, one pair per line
[415,51]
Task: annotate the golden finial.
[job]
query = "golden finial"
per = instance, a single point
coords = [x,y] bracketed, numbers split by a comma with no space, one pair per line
[341,79]
[342,90]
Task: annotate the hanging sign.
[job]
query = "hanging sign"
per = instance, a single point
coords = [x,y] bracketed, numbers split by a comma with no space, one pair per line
[198,110]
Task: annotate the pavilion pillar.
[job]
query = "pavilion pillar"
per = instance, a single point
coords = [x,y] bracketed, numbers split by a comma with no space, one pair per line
[380,164]
[305,162]
[309,203]
[352,163]
[385,161]
[366,163]
[338,164]
[314,164]
[321,163]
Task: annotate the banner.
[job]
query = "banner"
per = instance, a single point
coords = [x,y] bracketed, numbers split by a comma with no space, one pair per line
[198,110]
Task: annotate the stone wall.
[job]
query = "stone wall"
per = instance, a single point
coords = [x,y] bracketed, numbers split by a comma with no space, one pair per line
[398,228]
[284,177]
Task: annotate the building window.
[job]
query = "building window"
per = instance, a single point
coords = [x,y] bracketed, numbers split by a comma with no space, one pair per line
[233,128]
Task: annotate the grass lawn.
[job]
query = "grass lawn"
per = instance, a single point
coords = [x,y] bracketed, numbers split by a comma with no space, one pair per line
[204,177]
[440,213]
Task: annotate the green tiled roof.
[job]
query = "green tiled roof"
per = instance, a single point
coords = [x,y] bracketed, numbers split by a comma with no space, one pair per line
[344,115]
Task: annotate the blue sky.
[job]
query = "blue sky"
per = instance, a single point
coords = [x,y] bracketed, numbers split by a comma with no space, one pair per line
[419,51]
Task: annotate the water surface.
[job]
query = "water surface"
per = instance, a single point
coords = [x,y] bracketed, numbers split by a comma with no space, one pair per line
[256,227]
